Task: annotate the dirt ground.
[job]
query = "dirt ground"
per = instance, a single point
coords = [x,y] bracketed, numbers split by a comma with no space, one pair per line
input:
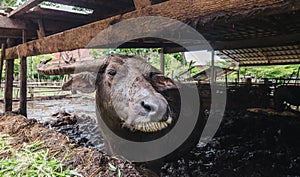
[253,142]
[256,142]
[89,163]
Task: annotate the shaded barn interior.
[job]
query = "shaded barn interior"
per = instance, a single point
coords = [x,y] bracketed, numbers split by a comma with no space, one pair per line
[246,32]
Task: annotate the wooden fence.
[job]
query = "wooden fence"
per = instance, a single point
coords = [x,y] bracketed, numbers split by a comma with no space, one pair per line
[37,90]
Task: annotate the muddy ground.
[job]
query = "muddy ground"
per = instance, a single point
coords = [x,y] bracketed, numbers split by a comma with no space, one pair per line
[88,162]
[256,142]
[253,142]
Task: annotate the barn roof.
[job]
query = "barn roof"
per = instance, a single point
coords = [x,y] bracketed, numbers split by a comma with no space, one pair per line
[255,32]
[289,54]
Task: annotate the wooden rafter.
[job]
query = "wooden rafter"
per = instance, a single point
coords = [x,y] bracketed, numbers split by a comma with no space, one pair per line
[9,23]
[141,3]
[24,8]
[267,64]
[229,56]
[189,12]
[263,55]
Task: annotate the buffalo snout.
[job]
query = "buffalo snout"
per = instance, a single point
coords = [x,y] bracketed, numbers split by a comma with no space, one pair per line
[154,107]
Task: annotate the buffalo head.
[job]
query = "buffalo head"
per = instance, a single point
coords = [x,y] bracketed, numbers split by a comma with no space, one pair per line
[130,93]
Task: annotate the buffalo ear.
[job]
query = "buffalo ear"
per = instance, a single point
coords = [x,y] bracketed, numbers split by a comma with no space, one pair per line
[84,82]
[162,83]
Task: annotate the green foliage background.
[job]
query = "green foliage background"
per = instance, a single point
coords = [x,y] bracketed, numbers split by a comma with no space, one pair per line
[274,71]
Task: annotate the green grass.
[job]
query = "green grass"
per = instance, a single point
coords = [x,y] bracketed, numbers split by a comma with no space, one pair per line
[31,159]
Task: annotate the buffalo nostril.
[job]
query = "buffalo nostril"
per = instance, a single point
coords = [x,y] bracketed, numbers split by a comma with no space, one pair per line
[146,106]
[165,117]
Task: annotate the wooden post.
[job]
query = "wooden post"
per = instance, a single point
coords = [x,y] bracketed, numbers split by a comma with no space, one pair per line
[2,60]
[9,78]
[213,74]
[162,61]
[139,4]
[23,82]
[238,75]
[23,86]
[226,78]
[41,30]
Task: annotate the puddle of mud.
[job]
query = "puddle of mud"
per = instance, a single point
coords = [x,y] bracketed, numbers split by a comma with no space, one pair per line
[41,110]
[84,130]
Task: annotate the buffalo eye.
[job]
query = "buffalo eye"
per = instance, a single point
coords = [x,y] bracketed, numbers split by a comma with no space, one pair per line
[112,73]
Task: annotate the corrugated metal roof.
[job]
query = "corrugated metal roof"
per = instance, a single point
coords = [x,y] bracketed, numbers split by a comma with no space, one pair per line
[263,56]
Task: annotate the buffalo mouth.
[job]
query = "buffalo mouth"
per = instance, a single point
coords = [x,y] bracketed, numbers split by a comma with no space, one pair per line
[150,127]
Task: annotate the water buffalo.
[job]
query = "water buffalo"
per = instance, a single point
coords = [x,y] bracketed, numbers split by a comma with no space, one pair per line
[133,98]
[288,94]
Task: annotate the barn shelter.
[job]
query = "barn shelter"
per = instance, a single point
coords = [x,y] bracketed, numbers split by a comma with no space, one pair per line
[260,32]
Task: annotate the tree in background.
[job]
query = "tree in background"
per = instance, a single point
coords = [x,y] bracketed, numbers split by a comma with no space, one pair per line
[261,72]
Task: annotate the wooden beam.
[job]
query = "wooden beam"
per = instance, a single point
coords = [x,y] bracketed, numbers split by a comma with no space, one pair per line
[8,88]
[190,11]
[229,56]
[269,58]
[162,60]
[141,3]
[24,8]
[94,4]
[41,30]
[271,63]
[263,55]
[15,33]
[23,81]
[3,46]
[53,14]
[9,23]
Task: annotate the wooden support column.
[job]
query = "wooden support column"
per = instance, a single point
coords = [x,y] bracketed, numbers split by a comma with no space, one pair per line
[162,61]
[212,73]
[9,78]
[238,75]
[141,3]
[23,81]
[226,78]
[3,46]
[41,30]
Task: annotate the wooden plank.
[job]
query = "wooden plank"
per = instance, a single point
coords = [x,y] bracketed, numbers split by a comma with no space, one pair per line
[23,86]
[24,8]
[9,23]
[3,46]
[268,64]
[8,88]
[162,60]
[16,33]
[55,14]
[43,91]
[190,11]
[141,3]
[23,81]
[95,4]
[41,30]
